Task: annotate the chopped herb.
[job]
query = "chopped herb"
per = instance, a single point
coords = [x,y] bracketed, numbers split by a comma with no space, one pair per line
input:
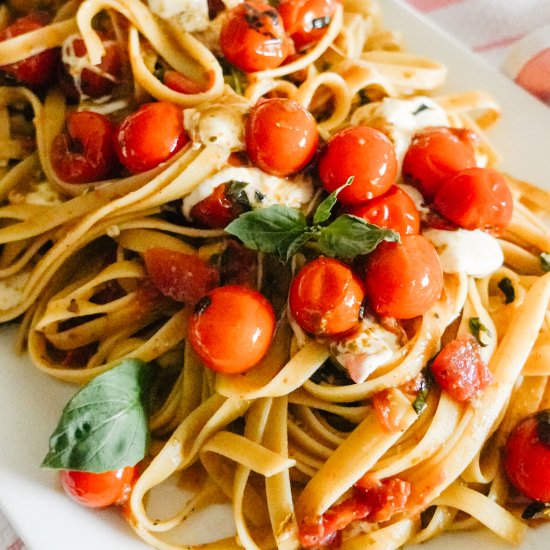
[259,196]
[422,107]
[419,404]
[476,328]
[545,262]
[533,509]
[363,96]
[159,71]
[235,191]
[507,287]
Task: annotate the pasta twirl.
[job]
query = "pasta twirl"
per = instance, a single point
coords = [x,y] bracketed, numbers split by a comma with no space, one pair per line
[346,438]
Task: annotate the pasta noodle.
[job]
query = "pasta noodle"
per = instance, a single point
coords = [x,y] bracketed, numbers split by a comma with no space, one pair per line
[294,439]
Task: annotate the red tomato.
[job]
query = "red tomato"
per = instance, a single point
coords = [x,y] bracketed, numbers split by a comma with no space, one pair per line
[477,198]
[232,328]
[253,37]
[435,155]
[97,81]
[217,210]
[183,277]
[527,456]
[306,21]
[326,297]
[238,265]
[364,153]
[37,70]
[392,210]
[84,151]
[151,135]
[405,279]
[98,490]
[180,83]
[460,370]
[281,136]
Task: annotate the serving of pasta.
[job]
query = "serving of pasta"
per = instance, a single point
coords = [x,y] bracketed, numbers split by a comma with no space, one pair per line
[282,267]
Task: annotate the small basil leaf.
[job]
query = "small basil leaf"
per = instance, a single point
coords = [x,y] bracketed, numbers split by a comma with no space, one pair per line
[236,192]
[322,214]
[297,243]
[545,262]
[507,287]
[270,230]
[349,236]
[105,425]
[476,328]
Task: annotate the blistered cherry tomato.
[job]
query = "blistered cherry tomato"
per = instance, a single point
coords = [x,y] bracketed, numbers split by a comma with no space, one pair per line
[363,153]
[92,81]
[326,297]
[392,210]
[232,328]
[435,155]
[281,136]
[403,280]
[150,136]
[84,151]
[527,456]
[217,210]
[306,21]
[98,490]
[37,70]
[183,277]
[253,37]
[477,198]
[460,369]
[180,83]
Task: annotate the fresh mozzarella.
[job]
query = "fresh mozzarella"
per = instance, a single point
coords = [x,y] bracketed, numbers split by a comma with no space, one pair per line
[473,252]
[262,190]
[370,347]
[219,121]
[416,197]
[11,290]
[191,15]
[38,193]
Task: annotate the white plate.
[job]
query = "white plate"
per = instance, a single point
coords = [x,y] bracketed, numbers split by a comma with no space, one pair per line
[30,403]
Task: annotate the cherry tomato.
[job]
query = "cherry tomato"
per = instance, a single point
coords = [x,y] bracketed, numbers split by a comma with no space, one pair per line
[527,456]
[326,297]
[392,210]
[306,21]
[180,83]
[363,153]
[150,136]
[253,37]
[403,280]
[281,136]
[435,155]
[460,370]
[477,198]
[84,151]
[92,82]
[232,328]
[98,490]
[37,70]
[183,277]
[217,210]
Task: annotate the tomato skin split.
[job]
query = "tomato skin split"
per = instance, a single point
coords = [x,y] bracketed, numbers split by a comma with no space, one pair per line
[460,370]
[527,456]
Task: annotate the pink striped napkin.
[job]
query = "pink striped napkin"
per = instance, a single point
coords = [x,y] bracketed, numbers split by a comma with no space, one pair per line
[512,35]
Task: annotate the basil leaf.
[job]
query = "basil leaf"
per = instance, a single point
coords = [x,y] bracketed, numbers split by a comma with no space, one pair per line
[349,236]
[297,243]
[270,230]
[533,509]
[507,287]
[236,192]
[476,328]
[545,262]
[426,382]
[323,211]
[105,425]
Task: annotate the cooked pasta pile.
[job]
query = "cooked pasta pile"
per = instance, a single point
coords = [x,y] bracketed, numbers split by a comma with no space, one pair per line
[287,441]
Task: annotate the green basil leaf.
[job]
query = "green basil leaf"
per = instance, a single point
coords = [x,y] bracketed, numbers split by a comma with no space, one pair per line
[507,288]
[105,425]
[349,236]
[297,243]
[545,262]
[270,230]
[236,192]
[322,214]
[476,328]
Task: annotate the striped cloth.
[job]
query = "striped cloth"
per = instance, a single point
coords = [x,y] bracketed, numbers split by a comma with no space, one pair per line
[513,35]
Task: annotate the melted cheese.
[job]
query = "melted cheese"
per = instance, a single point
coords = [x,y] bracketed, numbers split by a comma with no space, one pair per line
[473,252]
[367,349]
[262,189]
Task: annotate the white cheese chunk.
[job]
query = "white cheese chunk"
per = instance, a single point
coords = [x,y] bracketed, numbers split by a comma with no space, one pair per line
[191,15]
[368,348]
[262,189]
[473,252]
[11,290]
